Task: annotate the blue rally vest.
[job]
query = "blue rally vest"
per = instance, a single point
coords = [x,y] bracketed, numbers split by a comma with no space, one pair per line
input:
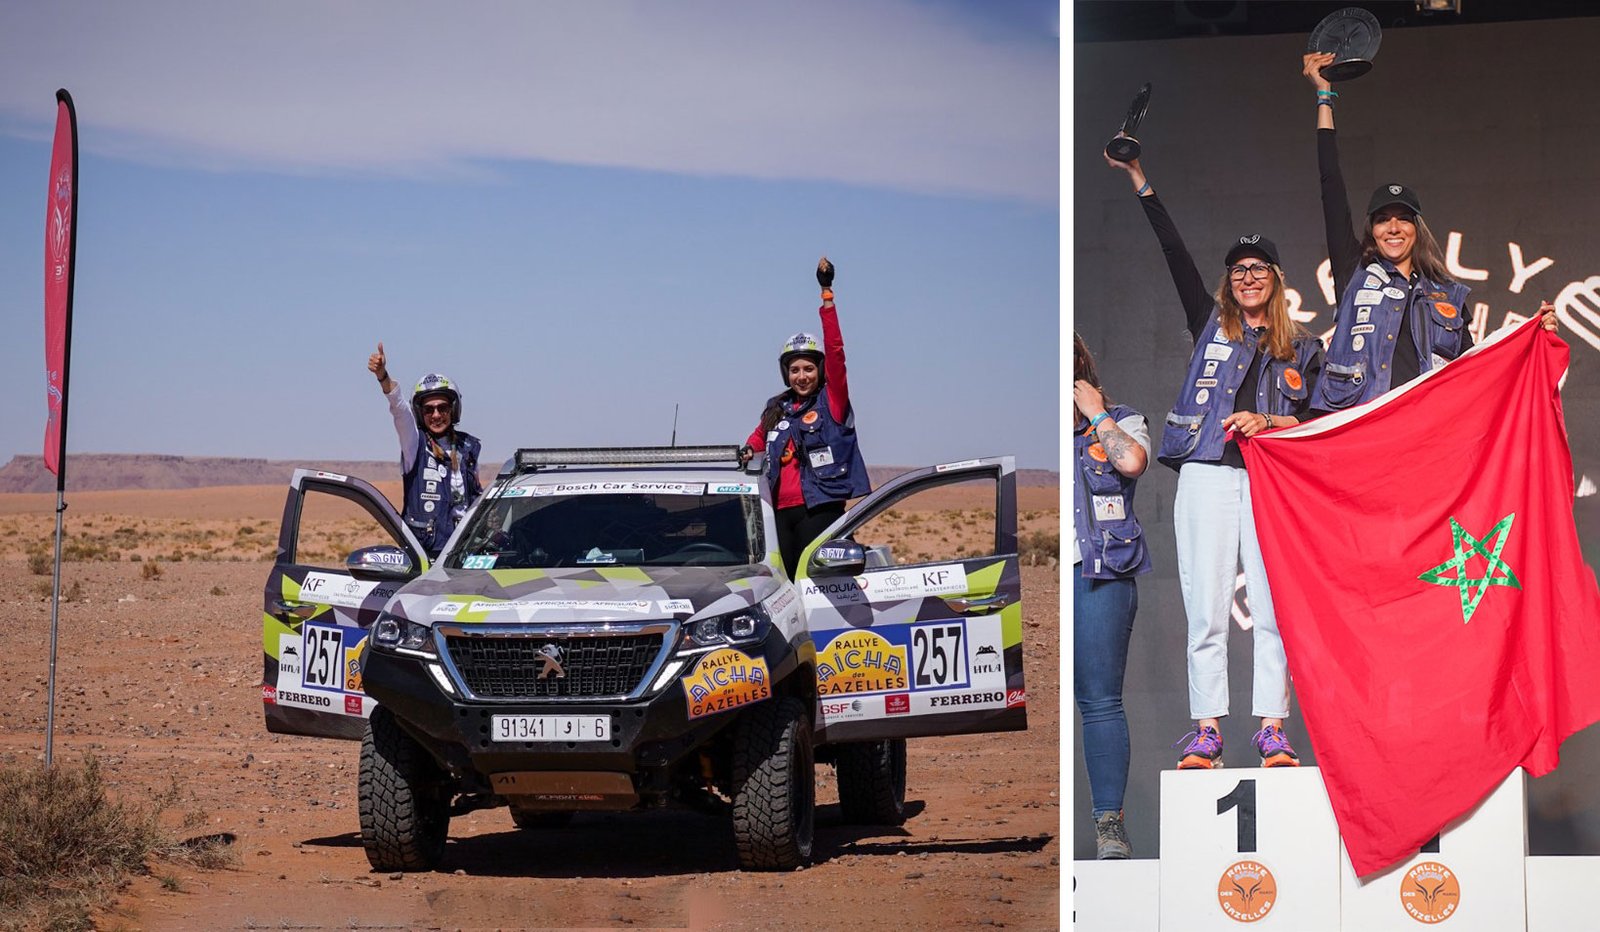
[427,490]
[831,467]
[1368,324]
[1194,427]
[1109,535]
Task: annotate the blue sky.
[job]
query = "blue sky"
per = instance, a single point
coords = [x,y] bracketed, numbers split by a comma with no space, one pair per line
[585,212]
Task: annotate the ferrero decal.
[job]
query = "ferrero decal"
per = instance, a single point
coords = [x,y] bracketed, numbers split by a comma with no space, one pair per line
[725,679]
[1247,891]
[860,662]
[1430,892]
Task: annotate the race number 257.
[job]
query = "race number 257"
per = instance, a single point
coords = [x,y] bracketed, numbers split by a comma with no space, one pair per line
[324,652]
[938,656]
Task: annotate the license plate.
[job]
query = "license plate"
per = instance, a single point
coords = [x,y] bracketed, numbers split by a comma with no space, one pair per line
[550,727]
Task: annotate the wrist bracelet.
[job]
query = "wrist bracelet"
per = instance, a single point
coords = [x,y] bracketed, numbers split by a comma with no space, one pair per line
[1327,93]
[1269,421]
[1097,419]
[1325,102]
[1141,191]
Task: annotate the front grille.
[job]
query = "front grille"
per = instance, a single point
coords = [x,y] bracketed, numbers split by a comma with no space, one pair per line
[510,666]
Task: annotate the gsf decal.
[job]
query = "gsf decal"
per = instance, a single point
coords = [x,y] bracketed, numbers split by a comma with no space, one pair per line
[938,655]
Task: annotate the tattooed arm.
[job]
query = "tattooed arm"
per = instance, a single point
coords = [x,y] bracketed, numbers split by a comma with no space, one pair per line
[1125,454]
[1122,450]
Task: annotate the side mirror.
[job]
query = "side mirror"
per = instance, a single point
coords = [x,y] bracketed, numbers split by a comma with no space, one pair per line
[840,557]
[380,563]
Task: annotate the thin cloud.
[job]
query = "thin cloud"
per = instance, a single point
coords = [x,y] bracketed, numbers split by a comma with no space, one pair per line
[886,94]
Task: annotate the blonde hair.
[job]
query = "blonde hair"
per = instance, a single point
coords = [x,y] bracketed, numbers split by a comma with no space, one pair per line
[1281,328]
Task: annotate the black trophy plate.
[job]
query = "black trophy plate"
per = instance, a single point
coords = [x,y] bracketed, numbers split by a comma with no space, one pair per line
[1124,147]
[1352,35]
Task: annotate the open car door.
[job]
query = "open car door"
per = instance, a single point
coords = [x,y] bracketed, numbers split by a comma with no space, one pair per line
[913,599]
[320,603]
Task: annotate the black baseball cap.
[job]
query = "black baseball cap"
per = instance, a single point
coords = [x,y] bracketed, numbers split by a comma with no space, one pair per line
[1389,194]
[1253,245]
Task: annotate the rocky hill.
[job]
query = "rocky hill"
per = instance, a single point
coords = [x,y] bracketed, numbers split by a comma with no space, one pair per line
[94,471]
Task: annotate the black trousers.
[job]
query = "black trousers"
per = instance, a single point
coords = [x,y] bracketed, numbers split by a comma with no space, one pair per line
[799,526]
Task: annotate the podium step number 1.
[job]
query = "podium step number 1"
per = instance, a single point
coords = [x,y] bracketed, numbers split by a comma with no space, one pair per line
[1240,847]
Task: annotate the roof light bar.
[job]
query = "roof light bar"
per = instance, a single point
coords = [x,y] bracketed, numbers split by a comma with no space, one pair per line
[624,456]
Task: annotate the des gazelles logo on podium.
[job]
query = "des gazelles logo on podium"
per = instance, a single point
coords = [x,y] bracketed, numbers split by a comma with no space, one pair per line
[1247,891]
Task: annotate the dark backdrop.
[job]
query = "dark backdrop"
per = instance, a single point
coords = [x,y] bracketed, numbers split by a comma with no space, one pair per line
[1497,127]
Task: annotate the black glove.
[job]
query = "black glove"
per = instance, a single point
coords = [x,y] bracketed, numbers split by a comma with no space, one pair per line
[825,273]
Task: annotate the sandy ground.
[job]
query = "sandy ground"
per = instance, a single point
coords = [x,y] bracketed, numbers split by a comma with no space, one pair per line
[159,677]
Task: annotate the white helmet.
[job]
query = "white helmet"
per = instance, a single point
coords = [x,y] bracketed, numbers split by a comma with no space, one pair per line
[436,384]
[800,345]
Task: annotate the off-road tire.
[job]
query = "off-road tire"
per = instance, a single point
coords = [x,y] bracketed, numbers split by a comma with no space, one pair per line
[403,799]
[872,781]
[774,786]
[539,821]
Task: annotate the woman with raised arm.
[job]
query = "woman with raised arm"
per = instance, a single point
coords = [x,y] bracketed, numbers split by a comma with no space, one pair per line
[1400,312]
[1112,448]
[1252,369]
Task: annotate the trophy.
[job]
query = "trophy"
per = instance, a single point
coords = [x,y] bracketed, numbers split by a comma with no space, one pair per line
[1125,148]
[1352,35]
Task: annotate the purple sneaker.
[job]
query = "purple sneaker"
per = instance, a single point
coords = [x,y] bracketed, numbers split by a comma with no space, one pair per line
[1204,751]
[1274,748]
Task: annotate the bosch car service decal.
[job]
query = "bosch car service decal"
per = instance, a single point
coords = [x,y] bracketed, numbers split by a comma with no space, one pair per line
[725,679]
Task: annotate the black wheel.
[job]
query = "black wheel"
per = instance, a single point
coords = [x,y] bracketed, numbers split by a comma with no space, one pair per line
[530,819]
[774,792]
[403,798]
[872,781]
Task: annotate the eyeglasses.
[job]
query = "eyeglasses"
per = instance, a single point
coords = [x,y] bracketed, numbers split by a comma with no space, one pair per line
[442,407]
[1255,270]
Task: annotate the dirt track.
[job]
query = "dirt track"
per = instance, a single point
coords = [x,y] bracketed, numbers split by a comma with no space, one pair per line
[160,679]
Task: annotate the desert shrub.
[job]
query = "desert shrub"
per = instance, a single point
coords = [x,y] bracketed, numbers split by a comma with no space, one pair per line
[151,570]
[40,563]
[65,847]
[1040,547]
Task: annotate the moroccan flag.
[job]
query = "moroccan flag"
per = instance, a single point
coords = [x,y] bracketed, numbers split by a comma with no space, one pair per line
[60,246]
[1440,623]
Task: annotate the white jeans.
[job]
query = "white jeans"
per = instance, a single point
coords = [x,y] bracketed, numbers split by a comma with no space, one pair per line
[1216,532]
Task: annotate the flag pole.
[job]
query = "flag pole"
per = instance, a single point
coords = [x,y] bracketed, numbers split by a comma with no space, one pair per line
[61,252]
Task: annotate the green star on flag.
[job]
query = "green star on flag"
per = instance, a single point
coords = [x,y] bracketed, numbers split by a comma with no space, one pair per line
[1465,546]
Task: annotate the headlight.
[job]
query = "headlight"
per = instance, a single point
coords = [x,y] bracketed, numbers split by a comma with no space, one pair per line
[742,626]
[392,632]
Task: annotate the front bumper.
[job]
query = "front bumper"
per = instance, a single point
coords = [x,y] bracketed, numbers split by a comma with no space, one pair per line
[651,729]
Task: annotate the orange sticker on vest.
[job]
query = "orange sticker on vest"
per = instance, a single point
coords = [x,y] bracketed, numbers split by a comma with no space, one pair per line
[810,418]
[1447,311]
[1291,378]
[1097,451]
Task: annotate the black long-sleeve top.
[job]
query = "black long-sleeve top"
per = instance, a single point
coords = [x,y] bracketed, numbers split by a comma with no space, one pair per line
[1344,251]
[1198,304]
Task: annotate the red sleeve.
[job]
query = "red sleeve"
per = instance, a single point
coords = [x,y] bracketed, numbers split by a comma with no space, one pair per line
[757,440]
[833,360]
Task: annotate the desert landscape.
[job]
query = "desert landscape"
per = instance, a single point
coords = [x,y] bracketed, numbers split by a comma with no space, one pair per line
[158,677]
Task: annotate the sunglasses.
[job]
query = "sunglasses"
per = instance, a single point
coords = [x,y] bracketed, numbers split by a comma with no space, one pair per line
[442,407]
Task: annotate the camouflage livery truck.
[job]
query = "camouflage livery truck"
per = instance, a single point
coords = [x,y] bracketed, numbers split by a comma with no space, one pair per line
[612,629]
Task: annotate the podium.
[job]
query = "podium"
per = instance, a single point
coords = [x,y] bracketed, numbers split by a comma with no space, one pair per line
[1472,874]
[1259,847]
[1248,846]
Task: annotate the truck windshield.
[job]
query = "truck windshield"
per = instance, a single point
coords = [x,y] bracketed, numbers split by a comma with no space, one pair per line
[543,526]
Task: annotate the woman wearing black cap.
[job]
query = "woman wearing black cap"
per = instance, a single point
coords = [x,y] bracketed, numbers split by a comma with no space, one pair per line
[1253,369]
[1400,312]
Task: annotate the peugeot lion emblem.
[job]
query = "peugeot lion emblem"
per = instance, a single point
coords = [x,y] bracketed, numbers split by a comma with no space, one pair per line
[550,662]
